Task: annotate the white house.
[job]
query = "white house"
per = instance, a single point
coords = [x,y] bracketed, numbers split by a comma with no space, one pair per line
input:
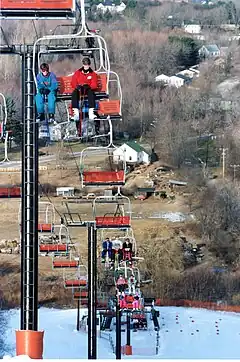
[195,69]
[209,51]
[192,28]
[132,152]
[162,78]
[110,6]
[65,191]
[176,81]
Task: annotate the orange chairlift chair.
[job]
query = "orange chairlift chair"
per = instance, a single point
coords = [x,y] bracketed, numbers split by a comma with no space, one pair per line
[116,219]
[61,44]
[111,167]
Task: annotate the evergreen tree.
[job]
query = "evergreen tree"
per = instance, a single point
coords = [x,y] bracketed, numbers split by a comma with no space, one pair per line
[188,52]
[13,122]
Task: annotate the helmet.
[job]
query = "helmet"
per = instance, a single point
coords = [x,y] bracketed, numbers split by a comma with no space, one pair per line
[44,67]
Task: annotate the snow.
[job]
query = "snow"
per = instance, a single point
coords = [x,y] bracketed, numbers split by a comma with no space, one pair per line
[170,216]
[185,333]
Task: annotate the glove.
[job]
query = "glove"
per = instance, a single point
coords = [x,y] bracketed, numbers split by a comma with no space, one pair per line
[44,91]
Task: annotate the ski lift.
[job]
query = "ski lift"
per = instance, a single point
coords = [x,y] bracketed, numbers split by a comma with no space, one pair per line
[75,279]
[35,9]
[113,164]
[108,109]
[128,272]
[81,294]
[115,219]
[62,233]
[46,216]
[83,301]
[128,234]
[65,263]
[57,249]
[45,228]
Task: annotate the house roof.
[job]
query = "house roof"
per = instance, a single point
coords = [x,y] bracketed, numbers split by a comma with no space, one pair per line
[212,48]
[184,77]
[107,3]
[135,146]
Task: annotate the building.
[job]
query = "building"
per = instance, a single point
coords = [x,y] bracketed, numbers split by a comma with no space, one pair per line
[142,193]
[178,80]
[192,28]
[65,191]
[111,7]
[132,152]
[162,78]
[209,51]
[187,73]
[195,69]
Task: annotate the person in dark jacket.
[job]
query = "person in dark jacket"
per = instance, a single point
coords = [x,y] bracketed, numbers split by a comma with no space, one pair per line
[106,249]
[84,82]
[47,86]
[127,250]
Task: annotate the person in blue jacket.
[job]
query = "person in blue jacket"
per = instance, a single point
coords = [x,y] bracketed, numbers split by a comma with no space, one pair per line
[107,249]
[47,86]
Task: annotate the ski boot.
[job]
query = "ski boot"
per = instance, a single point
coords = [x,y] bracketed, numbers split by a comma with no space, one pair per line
[40,117]
[51,118]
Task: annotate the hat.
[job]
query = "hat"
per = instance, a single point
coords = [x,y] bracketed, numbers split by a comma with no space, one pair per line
[86,61]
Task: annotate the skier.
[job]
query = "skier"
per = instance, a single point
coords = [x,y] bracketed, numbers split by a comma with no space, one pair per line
[106,249]
[132,283]
[121,284]
[127,250]
[47,86]
[136,302]
[122,302]
[84,81]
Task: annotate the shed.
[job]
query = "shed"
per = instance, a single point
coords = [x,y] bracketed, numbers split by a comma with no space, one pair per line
[65,191]
[144,192]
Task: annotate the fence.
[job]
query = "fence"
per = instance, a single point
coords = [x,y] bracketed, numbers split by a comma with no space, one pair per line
[197,304]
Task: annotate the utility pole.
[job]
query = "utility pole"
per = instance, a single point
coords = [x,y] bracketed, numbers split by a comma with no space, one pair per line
[224,161]
[234,171]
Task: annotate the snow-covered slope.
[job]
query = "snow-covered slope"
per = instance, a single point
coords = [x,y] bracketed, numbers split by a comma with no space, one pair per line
[185,333]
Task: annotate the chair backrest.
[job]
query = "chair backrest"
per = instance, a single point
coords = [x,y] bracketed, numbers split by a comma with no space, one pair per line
[65,87]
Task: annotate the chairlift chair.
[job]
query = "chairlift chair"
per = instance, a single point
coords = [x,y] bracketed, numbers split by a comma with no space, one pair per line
[57,249]
[116,219]
[65,263]
[128,233]
[127,272]
[104,177]
[46,212]
[75,279]
[34,9]
[107,108]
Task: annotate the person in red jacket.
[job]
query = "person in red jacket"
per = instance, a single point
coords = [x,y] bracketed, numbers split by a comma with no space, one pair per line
[84,81]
